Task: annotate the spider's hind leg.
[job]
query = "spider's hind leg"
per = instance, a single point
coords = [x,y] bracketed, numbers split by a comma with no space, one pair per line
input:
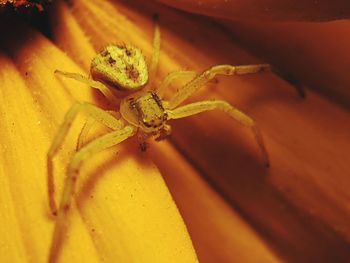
[92,83]
[97,145]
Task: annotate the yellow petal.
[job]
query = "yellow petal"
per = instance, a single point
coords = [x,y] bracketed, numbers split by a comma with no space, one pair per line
[296,210]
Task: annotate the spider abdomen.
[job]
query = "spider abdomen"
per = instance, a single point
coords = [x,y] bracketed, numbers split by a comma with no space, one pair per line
[121,66]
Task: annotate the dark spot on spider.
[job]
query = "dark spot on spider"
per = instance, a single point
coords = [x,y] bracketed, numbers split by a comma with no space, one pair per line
[148,125]
[121,46]
[128,52]
[104,53]
[132,103]
[111,61]
[165,116]
[132,72]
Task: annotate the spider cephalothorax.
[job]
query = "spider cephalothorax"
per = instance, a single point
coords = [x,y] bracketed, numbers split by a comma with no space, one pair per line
[144,110]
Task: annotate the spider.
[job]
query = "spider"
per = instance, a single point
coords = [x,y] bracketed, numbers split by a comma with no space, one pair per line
[144,112]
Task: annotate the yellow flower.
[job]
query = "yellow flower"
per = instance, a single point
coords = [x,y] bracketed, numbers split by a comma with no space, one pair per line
[216,202]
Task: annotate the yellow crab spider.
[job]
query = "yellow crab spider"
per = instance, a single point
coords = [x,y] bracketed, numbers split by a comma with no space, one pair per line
[123,67]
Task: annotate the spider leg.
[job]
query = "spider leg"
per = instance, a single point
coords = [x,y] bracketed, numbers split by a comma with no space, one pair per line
[92,111]
[95,146]
[172,76]
[201,106]
[84,132]
[192,86]
[155,53]
[92,83]
[87,127]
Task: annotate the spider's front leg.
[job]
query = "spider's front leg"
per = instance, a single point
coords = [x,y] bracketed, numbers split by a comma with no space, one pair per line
[201,106]
[196,83]
[95,146]
[93,112]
